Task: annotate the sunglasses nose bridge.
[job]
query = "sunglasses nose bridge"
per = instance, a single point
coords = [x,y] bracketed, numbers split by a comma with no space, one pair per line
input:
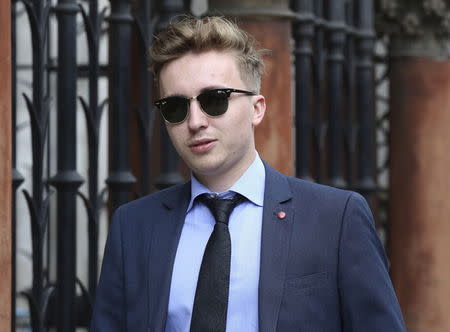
[189,102]
[197,119]
[189,106]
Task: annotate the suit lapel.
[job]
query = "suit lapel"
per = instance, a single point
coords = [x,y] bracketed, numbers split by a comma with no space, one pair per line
[275,241]
[165,238]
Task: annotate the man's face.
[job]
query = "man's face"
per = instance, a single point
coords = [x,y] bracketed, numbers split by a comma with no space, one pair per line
[219,148]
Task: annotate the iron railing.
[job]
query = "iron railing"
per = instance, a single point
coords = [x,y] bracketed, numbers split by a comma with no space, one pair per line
[335,141]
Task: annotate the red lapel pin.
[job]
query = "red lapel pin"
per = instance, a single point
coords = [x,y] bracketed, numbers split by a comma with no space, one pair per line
[281,215]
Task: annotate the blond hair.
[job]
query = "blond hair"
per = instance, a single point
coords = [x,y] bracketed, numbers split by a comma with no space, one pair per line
[192,34]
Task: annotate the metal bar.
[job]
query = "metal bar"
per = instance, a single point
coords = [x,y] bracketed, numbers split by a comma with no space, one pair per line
[49,138]
[67,180]
[37,188]
[38,100]
[93,117]
[38,111]
[350,96]
[303,35]
[83,69]
[93,149]
[120,179]
[39,8]
[365,101]
[319,78]
[169,159]
[336,43]
[145,110]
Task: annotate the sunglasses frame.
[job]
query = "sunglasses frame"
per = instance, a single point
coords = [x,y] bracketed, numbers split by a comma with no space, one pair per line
[227,91]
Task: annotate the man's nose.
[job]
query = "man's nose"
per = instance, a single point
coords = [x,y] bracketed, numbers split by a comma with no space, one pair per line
[197,118]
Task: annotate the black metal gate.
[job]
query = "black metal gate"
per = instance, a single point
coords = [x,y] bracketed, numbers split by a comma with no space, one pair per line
[334,112]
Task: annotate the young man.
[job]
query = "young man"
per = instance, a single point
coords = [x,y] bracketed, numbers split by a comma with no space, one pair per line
[240,247]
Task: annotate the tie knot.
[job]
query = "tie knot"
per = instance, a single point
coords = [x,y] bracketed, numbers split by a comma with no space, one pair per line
[221,208]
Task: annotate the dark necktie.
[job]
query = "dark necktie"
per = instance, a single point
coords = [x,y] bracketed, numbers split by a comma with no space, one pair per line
[209,313]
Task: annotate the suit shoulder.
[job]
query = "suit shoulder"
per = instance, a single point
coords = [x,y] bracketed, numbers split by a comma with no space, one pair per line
[327,197]
[172,193]
[310,191]
[313,188]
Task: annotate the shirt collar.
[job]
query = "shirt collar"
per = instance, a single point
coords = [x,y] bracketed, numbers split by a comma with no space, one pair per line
[250,184]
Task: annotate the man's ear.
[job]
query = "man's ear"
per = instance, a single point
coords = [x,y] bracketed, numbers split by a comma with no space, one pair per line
[259,109]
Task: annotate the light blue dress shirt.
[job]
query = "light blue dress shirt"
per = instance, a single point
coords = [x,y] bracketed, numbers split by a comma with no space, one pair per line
[245,230]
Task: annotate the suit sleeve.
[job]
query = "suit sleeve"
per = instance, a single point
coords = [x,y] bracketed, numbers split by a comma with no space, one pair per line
[368,300]
[109,308]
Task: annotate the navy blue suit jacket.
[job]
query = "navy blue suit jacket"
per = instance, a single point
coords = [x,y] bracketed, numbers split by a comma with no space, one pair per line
[322,267]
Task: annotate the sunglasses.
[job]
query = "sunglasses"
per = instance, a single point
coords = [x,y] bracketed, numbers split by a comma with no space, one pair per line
[213,102]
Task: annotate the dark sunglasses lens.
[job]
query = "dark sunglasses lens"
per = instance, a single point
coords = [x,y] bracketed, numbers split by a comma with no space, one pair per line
[174,109]
[214,103]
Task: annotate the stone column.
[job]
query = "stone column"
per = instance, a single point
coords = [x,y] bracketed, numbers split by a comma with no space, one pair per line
[269,21]
[5,166]
[420,160]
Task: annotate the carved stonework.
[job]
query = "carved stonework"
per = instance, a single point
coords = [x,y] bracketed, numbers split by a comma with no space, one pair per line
[413,18]
[418,28]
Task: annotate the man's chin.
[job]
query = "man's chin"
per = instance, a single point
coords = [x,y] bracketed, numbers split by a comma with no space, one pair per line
[208,169]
